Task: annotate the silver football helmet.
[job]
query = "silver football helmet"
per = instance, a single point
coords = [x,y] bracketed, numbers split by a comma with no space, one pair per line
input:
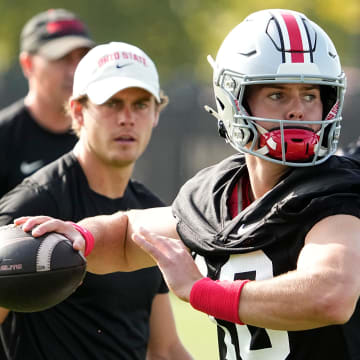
[278,46]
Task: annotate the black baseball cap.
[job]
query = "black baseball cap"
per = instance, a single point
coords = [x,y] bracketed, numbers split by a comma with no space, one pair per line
[54,33]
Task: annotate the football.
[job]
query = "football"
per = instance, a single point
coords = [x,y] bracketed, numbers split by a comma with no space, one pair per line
[37,273]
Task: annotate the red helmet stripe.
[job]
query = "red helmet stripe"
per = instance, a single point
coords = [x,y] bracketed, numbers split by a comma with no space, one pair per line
[296,43]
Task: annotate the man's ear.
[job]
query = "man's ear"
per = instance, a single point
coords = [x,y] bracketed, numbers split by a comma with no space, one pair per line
[156,119]
[76,109]
[26,63]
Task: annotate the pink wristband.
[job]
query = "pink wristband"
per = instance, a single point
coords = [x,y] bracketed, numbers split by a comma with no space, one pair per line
[218,298]
[88,237]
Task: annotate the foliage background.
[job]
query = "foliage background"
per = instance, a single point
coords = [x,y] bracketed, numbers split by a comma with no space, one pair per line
[178,34]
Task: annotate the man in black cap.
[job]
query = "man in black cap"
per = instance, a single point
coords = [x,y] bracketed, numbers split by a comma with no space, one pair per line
[35,130]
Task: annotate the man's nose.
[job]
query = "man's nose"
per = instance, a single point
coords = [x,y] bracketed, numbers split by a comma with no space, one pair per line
[296,110]
[126,116]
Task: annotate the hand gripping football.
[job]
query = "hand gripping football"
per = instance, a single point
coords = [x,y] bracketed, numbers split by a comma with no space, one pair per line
[37,273]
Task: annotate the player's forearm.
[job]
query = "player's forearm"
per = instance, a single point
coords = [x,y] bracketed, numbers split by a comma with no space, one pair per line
[295,301]
[109,232]
[113,248]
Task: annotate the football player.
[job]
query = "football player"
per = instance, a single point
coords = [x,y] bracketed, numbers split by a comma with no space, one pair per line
[274,229]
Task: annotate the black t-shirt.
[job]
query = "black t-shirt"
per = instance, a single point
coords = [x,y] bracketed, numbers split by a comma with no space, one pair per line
[25,146]
[107,318]
[264,240]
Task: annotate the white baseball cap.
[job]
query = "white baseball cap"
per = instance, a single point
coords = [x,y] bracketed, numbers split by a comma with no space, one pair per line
[109,68]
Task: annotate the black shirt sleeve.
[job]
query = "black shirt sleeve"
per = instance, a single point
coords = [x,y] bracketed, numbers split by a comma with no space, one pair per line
[26,200]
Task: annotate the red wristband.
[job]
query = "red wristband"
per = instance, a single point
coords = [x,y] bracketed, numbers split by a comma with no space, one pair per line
[88,237]
[218,298]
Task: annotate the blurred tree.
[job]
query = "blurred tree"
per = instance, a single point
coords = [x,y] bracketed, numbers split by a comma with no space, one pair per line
[151,25]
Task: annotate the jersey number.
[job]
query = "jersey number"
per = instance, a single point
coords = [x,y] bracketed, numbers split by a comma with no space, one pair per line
[250,342]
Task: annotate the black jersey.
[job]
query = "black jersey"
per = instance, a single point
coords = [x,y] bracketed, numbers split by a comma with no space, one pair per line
[25,146]
[263,241]
[108,316]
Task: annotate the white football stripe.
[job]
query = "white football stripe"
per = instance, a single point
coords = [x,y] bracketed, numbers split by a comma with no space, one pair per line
[286,38]
[46,248]
[305,40]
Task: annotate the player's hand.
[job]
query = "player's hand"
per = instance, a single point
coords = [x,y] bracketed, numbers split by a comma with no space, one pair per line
[174,260]
[39,225]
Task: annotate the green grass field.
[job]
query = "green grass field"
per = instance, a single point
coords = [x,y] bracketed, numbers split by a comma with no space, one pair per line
[196,331]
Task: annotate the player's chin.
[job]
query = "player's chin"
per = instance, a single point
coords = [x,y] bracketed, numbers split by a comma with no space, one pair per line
[123,160]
